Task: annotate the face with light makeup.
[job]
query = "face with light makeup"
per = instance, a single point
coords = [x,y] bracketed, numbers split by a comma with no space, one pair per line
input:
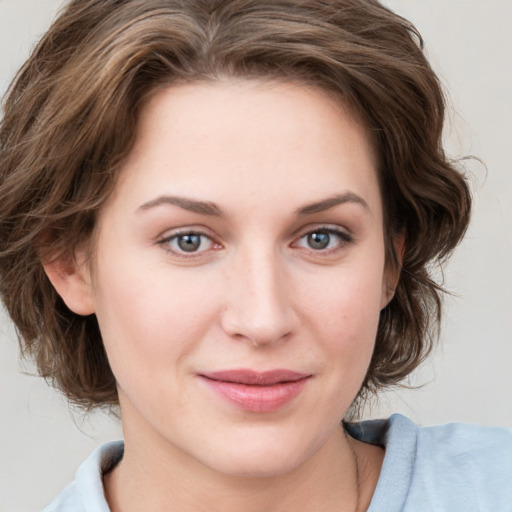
[245,234]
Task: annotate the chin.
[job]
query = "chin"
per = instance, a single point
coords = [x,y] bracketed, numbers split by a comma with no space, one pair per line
[268,455]
[258,466]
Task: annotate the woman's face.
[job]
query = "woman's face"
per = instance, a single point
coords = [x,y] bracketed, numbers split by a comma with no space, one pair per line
[239,274]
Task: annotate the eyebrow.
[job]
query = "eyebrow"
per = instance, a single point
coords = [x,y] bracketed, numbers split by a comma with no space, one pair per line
[192,205]
[331,202]
[209,208]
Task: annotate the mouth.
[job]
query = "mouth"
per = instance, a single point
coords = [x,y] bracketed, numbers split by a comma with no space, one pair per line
[257,392]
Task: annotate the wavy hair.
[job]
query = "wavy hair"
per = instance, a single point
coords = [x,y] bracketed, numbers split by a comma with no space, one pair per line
[70,118]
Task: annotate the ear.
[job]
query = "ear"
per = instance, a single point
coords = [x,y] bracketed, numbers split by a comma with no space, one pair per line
[71,278]
[392,270]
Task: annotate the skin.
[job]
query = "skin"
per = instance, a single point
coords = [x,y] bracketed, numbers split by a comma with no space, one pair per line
[284,162]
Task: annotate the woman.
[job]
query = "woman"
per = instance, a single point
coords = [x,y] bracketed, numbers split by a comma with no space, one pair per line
[220,216]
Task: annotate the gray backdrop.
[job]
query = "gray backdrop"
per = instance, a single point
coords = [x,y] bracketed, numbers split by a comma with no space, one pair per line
[469,378]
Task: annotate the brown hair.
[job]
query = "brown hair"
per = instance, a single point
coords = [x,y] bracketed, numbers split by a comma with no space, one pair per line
[70,118]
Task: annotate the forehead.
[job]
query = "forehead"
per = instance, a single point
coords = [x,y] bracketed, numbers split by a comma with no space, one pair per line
[248,139]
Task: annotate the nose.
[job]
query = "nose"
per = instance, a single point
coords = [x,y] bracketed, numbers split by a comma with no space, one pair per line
[259,307]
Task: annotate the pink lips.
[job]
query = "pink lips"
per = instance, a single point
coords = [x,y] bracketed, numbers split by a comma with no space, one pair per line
[257,391]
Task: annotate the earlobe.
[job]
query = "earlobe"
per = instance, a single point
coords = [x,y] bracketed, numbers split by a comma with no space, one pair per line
[71,280]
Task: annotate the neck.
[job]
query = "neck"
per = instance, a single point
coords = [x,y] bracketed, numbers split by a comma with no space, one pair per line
[154,476]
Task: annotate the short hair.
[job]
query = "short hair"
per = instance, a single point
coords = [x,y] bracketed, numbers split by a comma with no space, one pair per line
[70,118]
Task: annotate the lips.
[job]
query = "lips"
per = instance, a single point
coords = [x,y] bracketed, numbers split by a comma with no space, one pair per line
[257,391]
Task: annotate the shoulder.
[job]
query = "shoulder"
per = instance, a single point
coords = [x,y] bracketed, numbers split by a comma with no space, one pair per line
[467,445]
[85,493]
[470,467]
[441,468]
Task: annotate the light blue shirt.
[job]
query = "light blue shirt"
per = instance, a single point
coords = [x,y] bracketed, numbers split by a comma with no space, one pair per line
[446,468]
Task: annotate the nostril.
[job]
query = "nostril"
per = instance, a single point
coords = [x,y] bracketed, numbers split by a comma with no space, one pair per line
[259,331]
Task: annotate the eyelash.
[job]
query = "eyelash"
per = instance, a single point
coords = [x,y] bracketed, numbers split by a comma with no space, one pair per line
[166,243]
[344,239]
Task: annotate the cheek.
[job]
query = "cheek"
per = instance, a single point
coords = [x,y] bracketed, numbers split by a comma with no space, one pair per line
[151,314]
[344,310]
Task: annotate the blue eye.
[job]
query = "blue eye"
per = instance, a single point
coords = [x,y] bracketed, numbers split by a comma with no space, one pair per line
[318,240]
[188,243]
[324,239]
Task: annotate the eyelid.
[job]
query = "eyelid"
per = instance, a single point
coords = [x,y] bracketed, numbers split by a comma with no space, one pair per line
[164,239]
[327,228]
[345,236]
